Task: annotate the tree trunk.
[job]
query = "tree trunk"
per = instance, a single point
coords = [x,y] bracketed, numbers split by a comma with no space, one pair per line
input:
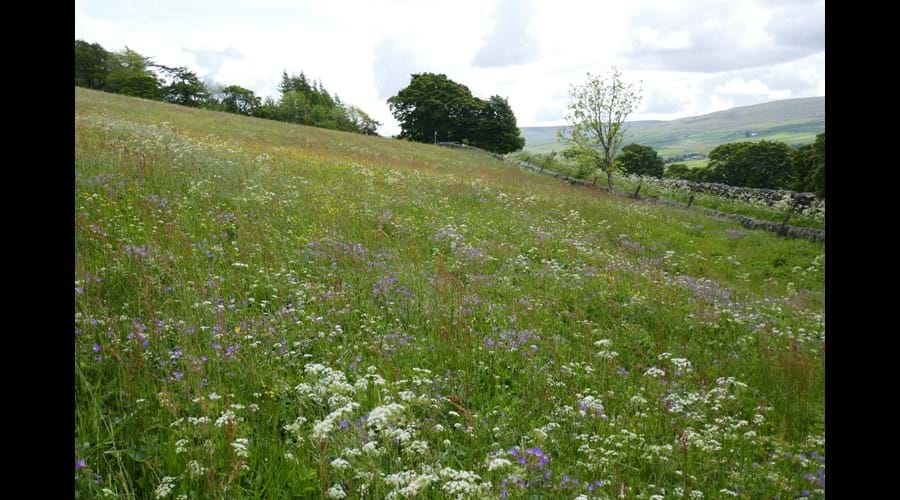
[609,179]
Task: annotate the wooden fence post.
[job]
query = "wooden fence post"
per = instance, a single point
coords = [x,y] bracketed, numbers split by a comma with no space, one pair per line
[691,200]
[784,223]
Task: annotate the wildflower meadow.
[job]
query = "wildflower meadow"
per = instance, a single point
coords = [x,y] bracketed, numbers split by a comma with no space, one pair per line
[268,310]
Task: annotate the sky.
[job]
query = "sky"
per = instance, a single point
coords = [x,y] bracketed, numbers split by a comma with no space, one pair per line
[689,57]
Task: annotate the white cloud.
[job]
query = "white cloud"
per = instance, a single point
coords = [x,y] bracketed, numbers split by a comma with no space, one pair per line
[755,87]
[512,40]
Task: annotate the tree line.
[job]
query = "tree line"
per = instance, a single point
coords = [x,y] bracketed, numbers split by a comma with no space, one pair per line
[301,100]
[763,164]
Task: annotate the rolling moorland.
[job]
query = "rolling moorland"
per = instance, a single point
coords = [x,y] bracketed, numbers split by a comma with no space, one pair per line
[793,121]
[269,310]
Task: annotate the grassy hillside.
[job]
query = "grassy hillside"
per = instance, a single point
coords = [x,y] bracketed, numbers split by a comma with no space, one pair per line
[266,310]
[794,121]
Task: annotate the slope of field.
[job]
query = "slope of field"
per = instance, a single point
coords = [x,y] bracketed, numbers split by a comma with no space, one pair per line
[794,121]
[266,310]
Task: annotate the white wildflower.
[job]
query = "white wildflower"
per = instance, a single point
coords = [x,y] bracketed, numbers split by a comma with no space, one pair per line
[240,447]
[382,416]
[322,428]
[417,447]
[226,418]
[461,483]
[195,469]
[165,487]
[498,463]
[336,492]
[340,464]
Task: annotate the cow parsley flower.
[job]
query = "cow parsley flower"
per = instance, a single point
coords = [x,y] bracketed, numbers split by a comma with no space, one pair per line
[340,464]
[165,487]
[498,463]
[240,447]
[336,492]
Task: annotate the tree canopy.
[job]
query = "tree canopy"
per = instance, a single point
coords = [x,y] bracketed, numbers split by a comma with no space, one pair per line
[129,73]
[495,127]
[763,164]
[238,100]
[809,167]
[641,160]
[184,88]
[91,65]
[435,108]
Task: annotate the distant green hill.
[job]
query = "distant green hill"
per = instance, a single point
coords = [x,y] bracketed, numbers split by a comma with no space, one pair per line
[794,121]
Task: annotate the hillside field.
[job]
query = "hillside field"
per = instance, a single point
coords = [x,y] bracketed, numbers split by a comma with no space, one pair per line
[266,310]
[792,121]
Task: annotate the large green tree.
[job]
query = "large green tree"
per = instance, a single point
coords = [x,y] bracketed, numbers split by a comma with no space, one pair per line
[237,99]
[294,107]
[129,73]
[433,107]
[91,65]
[637,159]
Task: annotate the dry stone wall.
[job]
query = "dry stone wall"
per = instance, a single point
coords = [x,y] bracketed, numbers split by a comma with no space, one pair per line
[768,197]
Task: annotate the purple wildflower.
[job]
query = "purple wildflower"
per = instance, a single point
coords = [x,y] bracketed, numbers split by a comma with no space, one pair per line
[135,250]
